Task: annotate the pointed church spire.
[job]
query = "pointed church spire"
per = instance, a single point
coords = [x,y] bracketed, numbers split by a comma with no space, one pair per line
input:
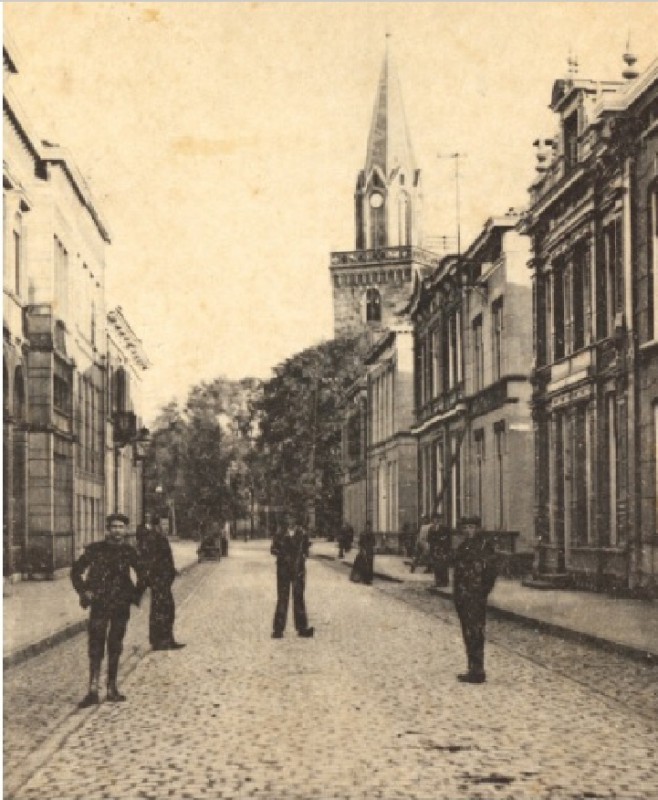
[388,194]
[389,143]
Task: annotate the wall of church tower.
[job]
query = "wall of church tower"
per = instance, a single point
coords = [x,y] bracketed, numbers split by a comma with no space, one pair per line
[356,290]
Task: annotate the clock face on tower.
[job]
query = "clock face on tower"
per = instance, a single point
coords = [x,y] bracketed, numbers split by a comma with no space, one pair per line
[376,200]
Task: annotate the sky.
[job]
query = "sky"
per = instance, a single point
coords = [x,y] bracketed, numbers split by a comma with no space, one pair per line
[222,142]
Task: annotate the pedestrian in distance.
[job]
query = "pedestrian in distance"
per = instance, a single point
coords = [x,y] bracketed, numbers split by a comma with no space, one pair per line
[291,546]
[474,577]
[439,541]
[421,552]
[102,578]
[345,537]
[158,562]
[349,537]
[363,569]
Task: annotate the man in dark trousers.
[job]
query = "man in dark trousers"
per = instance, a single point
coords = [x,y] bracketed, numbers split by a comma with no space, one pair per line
[440,547]
[102,579]
[474,577]
[160,570]
[290,546]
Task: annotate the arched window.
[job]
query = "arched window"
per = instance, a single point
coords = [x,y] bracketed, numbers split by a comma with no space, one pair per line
[404,219]
[373,305]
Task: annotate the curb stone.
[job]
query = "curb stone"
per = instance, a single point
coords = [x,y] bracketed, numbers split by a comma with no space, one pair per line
[24,653]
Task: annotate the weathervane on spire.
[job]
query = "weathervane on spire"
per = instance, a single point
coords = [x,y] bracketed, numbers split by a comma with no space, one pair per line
[572,64]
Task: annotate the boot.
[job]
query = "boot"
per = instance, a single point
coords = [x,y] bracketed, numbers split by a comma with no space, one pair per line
[92,698]
[113,694]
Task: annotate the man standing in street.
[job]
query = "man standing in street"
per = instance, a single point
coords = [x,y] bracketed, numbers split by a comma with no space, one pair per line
[160,570]
[291,546]
[102,579]
[474,577]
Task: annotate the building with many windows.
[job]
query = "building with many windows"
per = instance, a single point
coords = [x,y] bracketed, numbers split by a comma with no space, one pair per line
[55,370]
[473,321]
[392,452]
[592,224]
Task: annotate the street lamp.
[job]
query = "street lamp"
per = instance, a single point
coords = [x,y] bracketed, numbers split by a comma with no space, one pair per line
[125,433]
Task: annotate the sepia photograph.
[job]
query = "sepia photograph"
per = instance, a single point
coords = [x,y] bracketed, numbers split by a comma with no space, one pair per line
[330,400]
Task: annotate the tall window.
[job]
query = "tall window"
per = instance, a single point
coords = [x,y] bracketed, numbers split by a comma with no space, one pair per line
[455,481]
[426,479]
[439,455]
[613,254]
[61,395]
[436,362]
[499,455]
[404,219]
[478,355]
[373,305]
[455,344]
[478,442]
[420,373]
[570,132]
[18,254]
[497,334]
[611,431]
[558,311]
[580,300]
[580,500]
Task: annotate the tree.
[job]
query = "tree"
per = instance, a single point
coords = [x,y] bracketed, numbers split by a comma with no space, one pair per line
[197,450]
[300,429]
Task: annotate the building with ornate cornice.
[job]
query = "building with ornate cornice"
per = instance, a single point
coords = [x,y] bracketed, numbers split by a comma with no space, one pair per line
[124,452]
[592,220]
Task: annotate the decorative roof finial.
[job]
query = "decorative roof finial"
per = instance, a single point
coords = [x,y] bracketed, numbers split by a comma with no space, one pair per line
[572,64]
[630,73]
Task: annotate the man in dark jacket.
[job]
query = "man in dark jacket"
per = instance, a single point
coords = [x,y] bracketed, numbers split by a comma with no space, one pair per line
[102,579]
[474,577]
[291,546]
[158,561]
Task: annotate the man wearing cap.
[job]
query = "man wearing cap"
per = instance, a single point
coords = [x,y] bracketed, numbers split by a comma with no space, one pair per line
[291,546]
[474,577]
[102,579]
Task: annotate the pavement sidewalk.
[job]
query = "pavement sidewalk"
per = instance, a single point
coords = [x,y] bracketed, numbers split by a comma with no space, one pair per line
[620,624]
[39,614]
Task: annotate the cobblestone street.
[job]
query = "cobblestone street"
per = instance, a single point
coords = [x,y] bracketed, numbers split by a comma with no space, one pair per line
[370,708]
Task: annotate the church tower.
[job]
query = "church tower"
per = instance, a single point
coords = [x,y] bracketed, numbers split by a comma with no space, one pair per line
[374,281]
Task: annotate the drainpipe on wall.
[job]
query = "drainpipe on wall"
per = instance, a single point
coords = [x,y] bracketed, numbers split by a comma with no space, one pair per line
[633,538]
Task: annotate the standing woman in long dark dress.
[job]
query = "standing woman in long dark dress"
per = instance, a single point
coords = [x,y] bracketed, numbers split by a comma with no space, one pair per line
[364,563]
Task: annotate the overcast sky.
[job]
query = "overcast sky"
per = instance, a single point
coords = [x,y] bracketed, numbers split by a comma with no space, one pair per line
[222,142]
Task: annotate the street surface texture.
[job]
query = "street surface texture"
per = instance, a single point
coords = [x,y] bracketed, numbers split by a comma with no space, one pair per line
[370,708]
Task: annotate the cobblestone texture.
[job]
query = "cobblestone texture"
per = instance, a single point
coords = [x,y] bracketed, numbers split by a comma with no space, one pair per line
[368,709]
